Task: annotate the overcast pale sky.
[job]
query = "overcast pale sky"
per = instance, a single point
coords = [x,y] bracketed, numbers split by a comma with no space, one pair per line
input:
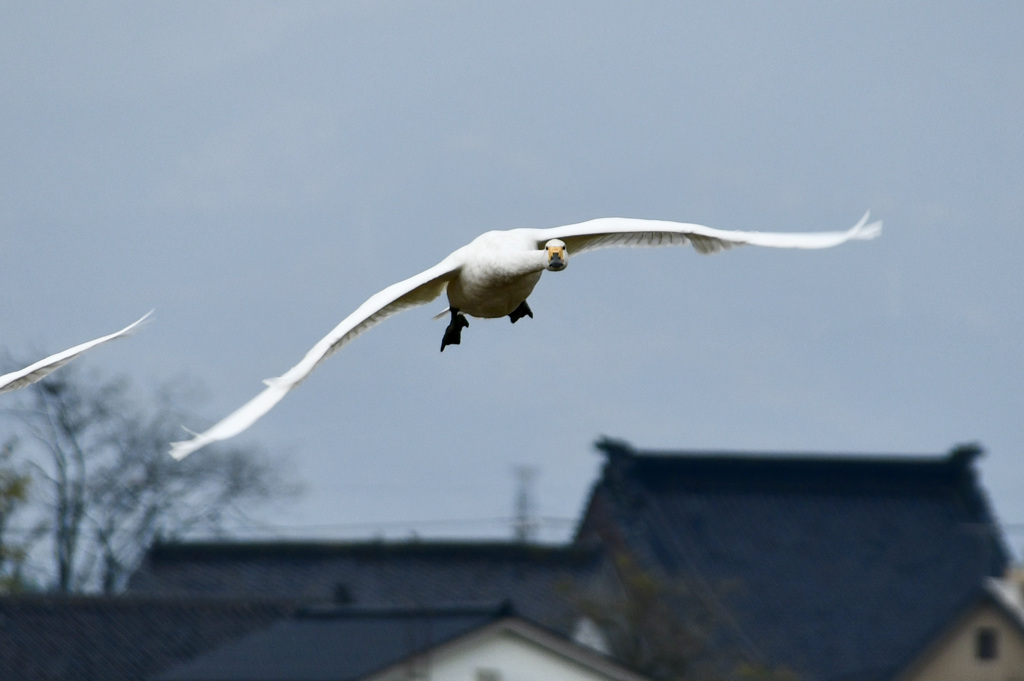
[254,171]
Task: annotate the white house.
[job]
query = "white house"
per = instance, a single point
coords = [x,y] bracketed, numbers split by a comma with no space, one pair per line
[441,644]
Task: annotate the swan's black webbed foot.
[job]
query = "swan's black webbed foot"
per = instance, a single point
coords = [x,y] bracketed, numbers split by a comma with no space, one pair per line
[522,311]
[453,334]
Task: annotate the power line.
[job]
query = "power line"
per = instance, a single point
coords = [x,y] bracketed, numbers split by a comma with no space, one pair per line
[399,524]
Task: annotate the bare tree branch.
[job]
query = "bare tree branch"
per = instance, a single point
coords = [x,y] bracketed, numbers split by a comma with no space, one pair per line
[112,489]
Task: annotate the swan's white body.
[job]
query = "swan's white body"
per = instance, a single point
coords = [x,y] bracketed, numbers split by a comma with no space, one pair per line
[498,271]
[494,274]
[35,372]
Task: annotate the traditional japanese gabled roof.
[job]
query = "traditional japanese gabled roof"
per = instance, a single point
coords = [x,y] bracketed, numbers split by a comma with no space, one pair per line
[539,580]
[838,567]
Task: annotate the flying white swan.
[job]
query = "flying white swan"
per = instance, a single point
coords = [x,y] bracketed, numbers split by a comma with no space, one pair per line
[493,276]
[35,372]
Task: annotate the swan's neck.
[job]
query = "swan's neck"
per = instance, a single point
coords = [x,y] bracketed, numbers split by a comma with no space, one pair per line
[506,255]
[524,262]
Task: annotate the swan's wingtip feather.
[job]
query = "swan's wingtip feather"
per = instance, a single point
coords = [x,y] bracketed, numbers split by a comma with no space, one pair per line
[179,450]
[137,324]
[865,230]
[873,230]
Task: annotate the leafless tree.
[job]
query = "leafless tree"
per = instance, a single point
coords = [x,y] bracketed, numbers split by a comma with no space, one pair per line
[14,487]
[110,488]
[668,628]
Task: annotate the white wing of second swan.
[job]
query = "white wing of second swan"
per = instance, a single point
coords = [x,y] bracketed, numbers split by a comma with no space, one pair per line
[37,371]
[416,290]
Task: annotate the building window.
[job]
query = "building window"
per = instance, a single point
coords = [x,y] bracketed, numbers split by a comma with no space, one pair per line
[986,643]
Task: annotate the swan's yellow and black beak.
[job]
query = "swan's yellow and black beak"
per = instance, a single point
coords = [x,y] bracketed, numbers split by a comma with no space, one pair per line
[557,257]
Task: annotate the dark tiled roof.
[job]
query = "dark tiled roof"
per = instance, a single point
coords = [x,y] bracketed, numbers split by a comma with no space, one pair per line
[538,579]
[48,638]
[837,567]
[332,643]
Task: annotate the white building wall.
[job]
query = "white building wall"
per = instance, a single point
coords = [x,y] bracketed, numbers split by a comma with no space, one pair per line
[956,659]
[498,656]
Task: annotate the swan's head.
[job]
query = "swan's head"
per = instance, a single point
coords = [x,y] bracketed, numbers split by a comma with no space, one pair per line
[558,257]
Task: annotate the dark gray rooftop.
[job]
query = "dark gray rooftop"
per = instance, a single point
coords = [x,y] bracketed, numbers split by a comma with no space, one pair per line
[839,567]
[49,638]
[333,643]
[539,580]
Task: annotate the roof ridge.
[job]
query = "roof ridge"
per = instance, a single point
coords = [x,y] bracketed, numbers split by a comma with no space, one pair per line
[482,549]
[495,609]
[961,454]
[132,599]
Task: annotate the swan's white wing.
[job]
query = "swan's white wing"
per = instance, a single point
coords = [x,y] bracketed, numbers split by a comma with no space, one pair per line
[417,290]
[35,372]
[605,232]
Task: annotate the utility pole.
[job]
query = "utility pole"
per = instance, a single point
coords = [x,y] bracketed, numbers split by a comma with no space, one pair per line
[524,524]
